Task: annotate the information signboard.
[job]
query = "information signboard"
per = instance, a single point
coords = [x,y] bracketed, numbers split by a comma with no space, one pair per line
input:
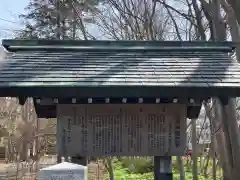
[121,130]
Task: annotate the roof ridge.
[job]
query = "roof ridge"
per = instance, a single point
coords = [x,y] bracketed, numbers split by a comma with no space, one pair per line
[76,45]
[11,45]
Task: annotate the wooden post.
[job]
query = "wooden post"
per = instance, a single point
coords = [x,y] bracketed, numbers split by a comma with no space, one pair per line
[163,168]
[194,150]
[59,141]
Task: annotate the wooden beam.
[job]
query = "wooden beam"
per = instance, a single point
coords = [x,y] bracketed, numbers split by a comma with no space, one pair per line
[119,91]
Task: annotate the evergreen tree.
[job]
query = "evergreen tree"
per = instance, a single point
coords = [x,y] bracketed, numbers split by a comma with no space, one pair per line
[56,19]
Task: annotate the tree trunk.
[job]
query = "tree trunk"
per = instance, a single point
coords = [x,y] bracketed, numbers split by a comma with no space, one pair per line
[181,167]
[109,167]
[206,166]
[213,151]
[233,25]
[228,112]
[23,151]
[222,143]
[235,4]
[232,135]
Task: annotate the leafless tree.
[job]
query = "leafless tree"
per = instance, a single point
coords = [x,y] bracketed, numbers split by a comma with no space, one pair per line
[132,20]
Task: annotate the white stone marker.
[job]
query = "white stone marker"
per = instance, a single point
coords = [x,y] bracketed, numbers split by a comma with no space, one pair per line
[63,171]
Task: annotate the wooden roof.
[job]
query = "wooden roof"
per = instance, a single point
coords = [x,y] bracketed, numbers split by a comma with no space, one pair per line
[118,69]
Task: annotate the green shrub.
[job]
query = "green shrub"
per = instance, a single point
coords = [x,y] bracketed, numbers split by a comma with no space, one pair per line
[138,165]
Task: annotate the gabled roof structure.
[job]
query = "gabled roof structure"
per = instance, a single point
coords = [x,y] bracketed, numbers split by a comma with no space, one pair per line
[46,68]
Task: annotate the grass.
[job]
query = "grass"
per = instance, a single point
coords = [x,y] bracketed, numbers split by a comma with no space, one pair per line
[123,172]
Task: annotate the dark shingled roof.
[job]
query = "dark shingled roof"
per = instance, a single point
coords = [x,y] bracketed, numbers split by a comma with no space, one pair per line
[114,68]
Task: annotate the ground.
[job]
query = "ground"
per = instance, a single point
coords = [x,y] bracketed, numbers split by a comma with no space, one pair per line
[8,171]
[3,167]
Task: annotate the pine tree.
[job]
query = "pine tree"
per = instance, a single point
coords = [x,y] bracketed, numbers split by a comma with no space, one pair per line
[56,19]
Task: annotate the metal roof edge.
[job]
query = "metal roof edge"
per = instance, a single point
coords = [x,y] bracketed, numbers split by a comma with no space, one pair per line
[16,45]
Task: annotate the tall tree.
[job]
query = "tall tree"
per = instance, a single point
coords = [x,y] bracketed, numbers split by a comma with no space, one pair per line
[57,19]
[132,20]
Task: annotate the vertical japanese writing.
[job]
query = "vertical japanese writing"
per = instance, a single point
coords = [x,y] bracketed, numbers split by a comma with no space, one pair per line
[122,131]
[64,141]
[69,129]
[177,131]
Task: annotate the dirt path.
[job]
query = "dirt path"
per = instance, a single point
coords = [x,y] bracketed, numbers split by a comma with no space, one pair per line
[95,171]
[3,167]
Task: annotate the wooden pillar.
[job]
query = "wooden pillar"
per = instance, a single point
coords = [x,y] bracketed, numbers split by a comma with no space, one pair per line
[59,141]
[194,150]
[163,168]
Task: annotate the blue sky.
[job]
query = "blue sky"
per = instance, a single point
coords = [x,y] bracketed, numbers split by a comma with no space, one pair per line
[9,11]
